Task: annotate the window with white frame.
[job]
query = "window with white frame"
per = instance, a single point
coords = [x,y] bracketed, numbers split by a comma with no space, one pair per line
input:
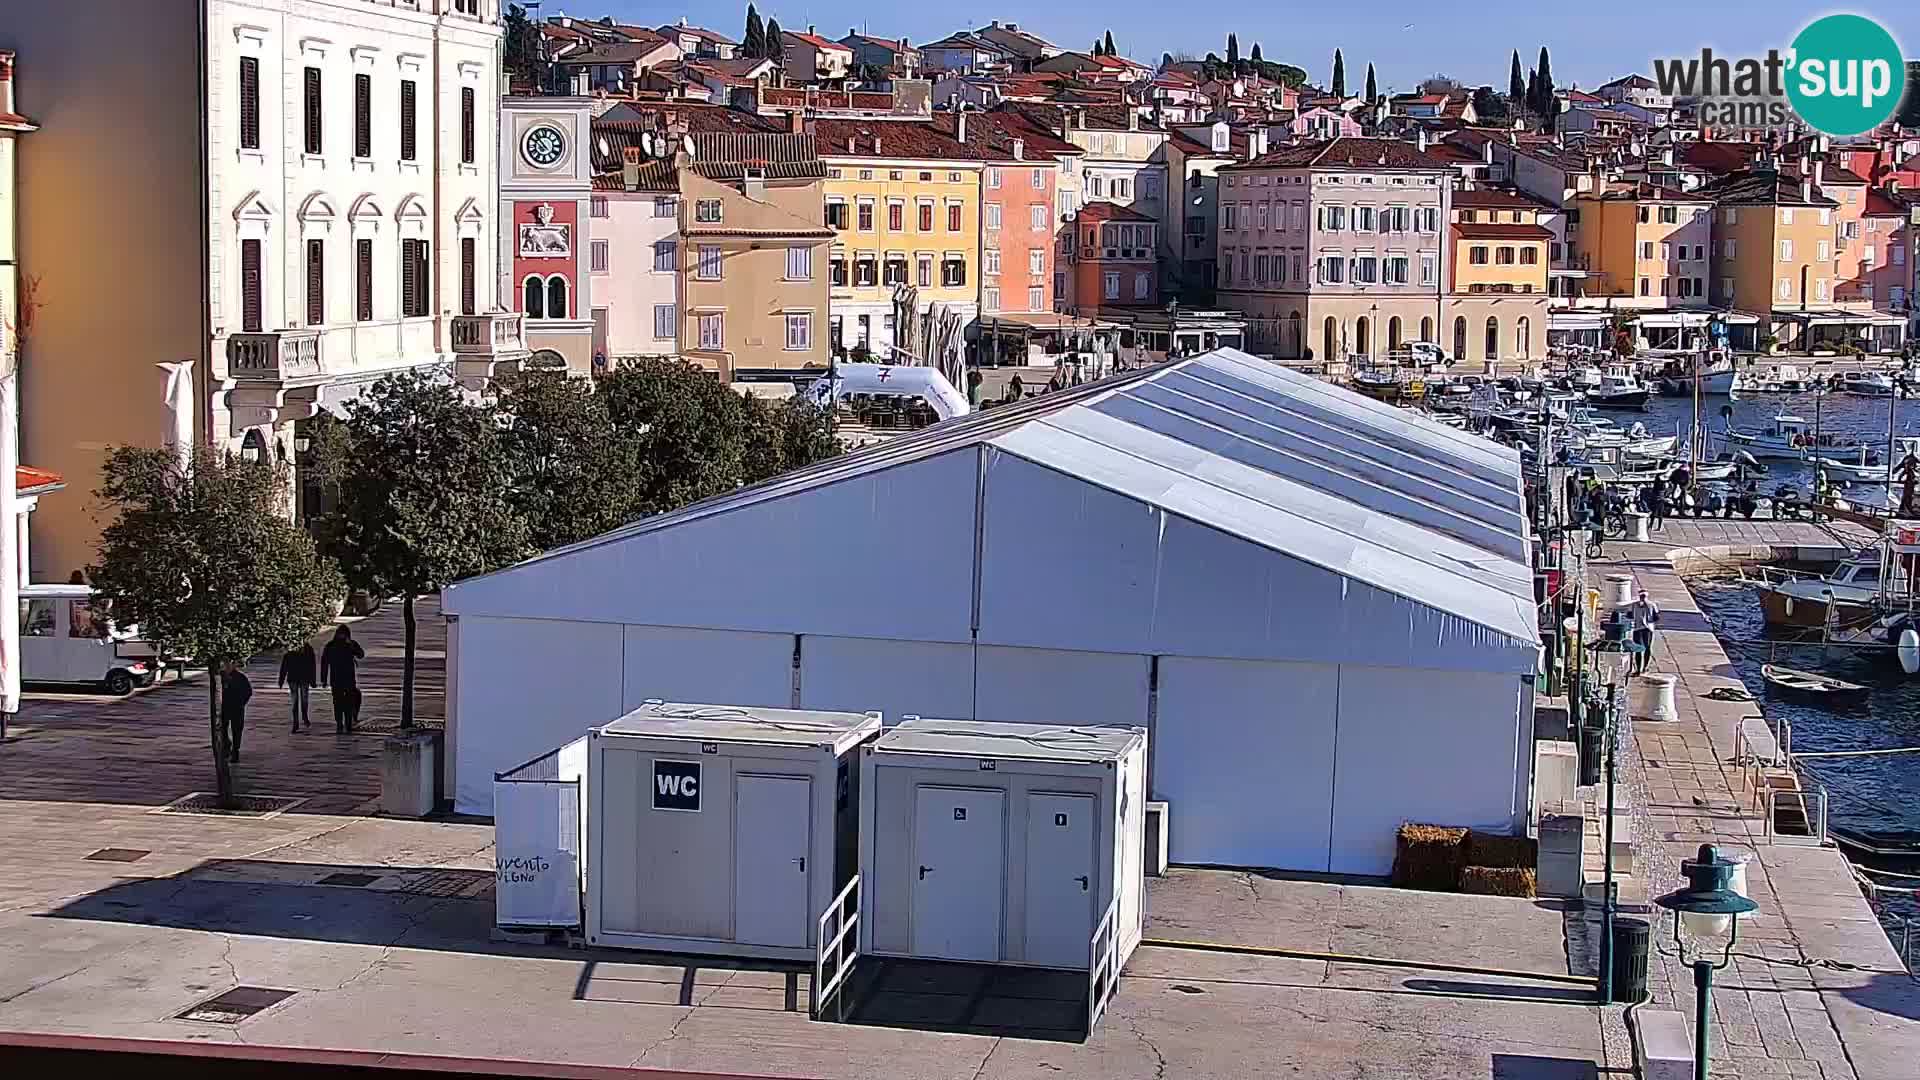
[1783,288]
[1036,298]
[1332,268]
[706,211]
[799,263]
[1037,215]
[598,253]
[993,177]
[709,265]
[665,254]
[990,261]
[1363,219]
[1729,247]
[1395,270]
[1429,267]
[1786,250]
[1364,268]
[713,331]
[923,270]
[664,322]
[1039,179]
[664,206]
[799,331]
[1110,285]
[993,216]
[990,297]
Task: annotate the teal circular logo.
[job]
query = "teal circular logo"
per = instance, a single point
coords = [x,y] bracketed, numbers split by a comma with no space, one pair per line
[1846,75]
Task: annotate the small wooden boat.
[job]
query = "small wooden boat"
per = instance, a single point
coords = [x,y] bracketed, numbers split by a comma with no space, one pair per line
[1806,682]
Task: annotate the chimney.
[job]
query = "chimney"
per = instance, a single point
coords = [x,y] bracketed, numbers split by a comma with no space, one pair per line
[754,185]
[796,123]
[1820,172]
[960,126]
[851,31]
[1420,139]
[1133,118]
[1019,149]
[630,168]
[1486,150]
[809,29]
[876,144]
[995,25]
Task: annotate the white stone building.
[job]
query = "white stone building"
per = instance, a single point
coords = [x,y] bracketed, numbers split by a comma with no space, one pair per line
[281,201]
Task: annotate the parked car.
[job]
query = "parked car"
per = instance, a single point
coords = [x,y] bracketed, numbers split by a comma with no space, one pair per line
[66,637]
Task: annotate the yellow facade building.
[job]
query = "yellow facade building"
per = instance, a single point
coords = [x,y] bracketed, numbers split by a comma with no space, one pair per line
[1496,307]
[903,198]
[1647,246]
[1773,249]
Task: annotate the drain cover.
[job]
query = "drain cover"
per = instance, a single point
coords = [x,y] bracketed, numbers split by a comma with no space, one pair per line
[119,854]
[351,881]
[235,1005]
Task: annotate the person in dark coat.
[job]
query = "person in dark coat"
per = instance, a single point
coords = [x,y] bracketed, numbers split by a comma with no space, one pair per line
[235,692]
[299,668]
[338,664]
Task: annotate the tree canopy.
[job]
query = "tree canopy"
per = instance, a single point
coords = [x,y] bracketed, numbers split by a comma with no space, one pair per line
[1233,49]
[1516,83]
[1373,88]
[776,46]
[1107,43]
[1339,87]
[1255,55]
[754,42]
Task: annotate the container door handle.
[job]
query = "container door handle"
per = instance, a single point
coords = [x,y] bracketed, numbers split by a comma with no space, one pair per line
[802,860]
[923,872]
[1082,879]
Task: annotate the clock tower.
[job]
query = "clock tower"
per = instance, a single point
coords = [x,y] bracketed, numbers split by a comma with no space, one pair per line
[546,178]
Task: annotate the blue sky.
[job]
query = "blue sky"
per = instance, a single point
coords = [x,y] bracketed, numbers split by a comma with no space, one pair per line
[1591,41]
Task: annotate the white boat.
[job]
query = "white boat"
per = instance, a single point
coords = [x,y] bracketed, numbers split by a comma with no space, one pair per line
[1619,389]
[1807,603]
[1789,439]
[1867,384]
[1584,378]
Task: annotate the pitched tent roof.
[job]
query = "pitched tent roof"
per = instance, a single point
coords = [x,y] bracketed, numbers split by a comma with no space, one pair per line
[1286,519]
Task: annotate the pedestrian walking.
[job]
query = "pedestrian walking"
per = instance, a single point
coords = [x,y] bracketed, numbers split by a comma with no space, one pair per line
[298,670]
[339,663]
[1016,389]
[235,692]
[1645,615]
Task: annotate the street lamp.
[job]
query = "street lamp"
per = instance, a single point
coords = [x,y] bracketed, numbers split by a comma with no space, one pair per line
[1612,660]
[1707,908]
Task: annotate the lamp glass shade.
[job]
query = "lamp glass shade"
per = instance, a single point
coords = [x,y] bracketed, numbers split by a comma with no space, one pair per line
[1706,906]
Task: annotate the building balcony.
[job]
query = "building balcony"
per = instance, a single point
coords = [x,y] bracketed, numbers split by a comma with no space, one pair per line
[276,358]
[486,346]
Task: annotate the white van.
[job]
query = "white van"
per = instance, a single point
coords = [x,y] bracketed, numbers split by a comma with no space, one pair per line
[66,637]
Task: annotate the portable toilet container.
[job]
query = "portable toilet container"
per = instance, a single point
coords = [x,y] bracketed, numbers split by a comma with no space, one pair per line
[720,829]
[1003,843]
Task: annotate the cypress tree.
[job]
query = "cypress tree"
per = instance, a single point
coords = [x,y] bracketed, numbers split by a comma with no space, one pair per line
[1256,53]
[1516,83]
[1339,75]
[1373,89]
[756,38]
[1108,44]
[1545,107]
[776,49]
[1533,90]
[1233,49]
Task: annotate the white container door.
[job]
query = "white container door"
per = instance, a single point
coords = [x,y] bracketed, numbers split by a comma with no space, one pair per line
[772,843]
[1060,866]
[959,872]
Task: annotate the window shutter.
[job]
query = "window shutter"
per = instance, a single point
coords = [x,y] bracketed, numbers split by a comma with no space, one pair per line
[363,116]
[363,278]
[250,102]
[313,111]
[316,283]
[250,286]
[407,102]
[467,273]
[422,278]
[466,124]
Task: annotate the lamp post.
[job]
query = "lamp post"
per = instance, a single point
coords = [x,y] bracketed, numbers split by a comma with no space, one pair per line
[1707,908]
[1612,659]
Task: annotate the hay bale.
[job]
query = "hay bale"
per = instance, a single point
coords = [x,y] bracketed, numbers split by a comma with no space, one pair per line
[1503,852]
[1429,857]
[1498,881]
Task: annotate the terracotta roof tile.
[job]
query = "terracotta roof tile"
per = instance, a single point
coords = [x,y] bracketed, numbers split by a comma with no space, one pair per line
[1473,230]
[918,140]
[1347,153]
[1109,211]
[28,480]
[1500,198]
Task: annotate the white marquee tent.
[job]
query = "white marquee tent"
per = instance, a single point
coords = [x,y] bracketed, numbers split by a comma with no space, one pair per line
[1320,605]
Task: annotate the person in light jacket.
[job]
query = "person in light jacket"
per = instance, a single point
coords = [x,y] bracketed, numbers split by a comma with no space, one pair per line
[298,670]
[338,664]
[1645,615]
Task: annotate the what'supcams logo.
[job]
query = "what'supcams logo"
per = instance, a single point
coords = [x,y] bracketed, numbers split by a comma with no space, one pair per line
[1843,75]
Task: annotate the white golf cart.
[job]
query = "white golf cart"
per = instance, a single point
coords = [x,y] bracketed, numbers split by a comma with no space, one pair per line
[66,637]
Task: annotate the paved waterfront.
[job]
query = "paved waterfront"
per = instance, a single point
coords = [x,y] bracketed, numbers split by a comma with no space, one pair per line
[1815,991]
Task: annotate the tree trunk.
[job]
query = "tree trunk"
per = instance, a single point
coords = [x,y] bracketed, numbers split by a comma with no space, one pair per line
[222,768]
[406,669]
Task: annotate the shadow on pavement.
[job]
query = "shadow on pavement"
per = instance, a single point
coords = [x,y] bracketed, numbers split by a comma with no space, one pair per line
[967,999]
[1549,995]
[1531,1067]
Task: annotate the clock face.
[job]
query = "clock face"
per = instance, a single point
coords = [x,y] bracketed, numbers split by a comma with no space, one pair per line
[544,145]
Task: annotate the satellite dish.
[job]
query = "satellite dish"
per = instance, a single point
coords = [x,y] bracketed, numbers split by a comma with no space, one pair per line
[646,142]
[605,150]
[686,141]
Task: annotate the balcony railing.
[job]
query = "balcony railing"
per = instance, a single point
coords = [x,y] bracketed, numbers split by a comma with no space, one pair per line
[492,333]
[277,357]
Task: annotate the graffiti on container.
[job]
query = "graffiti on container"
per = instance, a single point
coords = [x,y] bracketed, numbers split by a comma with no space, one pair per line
[519,868]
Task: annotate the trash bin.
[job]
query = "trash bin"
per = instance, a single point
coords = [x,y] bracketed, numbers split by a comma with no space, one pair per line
[1631,938]
[408,774]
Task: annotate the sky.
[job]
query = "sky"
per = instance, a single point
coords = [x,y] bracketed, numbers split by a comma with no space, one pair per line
[1590,42]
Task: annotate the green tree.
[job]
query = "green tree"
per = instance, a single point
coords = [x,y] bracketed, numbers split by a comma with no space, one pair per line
[1516,83]
[201,555]
[687,429]
[521,41]
[782,436]
[1909,114]
[1233,49]
[1533,90]
[426,498]
[1256,53]
[776,49]
[755,43]
[572,469]
[1166,61]
[1373,88]
[1096,47]
[1107,44]
[1487,105]
[1339,75]
[1543,102]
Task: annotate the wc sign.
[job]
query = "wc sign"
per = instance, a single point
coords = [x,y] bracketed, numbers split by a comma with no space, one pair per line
[676,785]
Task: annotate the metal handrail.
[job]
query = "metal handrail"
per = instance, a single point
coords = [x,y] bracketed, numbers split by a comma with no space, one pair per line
[1816,815]
[844,913]
[1102,954]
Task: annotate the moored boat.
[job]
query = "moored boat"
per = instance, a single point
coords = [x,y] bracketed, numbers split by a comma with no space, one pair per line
[1795,681]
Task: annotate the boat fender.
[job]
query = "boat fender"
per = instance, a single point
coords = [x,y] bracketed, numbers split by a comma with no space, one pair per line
[1909,651]
[1789,607]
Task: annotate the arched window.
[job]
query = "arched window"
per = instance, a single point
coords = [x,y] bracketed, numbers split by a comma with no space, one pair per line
[556,297]
[1393,334]
[1493,338]
[1330,341]
[1426,328]
[1460,338]
[1362,336]
[1524,338]
[535,302]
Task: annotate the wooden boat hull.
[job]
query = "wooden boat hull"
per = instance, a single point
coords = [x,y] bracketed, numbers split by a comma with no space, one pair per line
[1636,399]
[1800,613]
[1812,684]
